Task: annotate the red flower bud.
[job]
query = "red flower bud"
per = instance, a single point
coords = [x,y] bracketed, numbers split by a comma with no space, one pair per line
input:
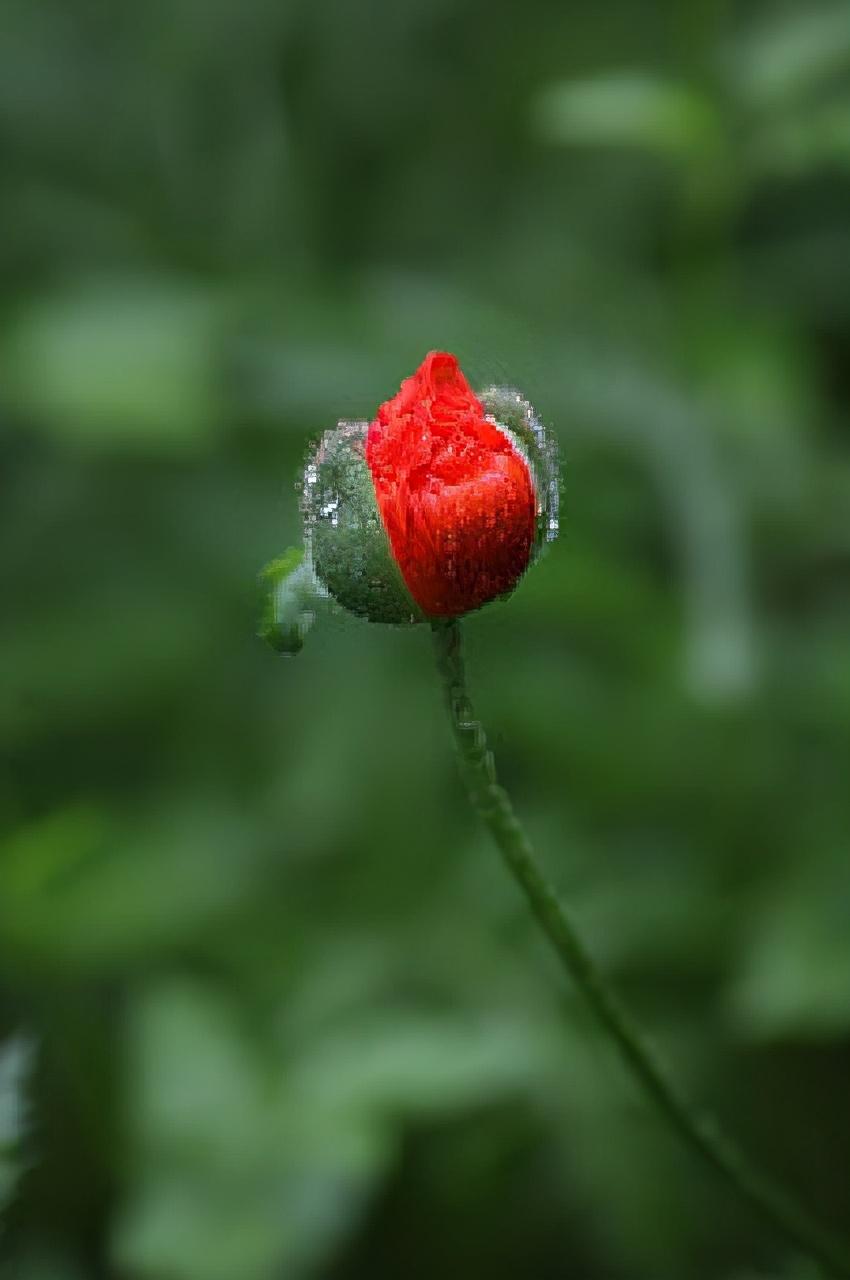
[434,508]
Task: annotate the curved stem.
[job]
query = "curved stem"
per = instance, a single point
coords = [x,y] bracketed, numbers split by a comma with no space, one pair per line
[699,1131]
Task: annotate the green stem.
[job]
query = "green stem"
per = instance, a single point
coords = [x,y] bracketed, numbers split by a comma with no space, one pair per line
[699,1131]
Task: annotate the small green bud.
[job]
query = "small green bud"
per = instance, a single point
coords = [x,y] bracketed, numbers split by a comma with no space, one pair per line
[290,600]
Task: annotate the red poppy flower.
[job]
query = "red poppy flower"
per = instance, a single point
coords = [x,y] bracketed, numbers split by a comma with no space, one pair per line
[433,509]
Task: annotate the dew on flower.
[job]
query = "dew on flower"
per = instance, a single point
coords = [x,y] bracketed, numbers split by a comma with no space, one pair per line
[436,506]
[509,410]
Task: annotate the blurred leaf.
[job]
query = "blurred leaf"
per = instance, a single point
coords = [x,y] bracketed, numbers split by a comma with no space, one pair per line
[262,1166]
[79,889]
[628,110]
[400,1062]
[118,363]
[795,974]
[813,140]
[789,54]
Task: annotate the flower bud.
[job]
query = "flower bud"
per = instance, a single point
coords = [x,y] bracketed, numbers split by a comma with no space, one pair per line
[437,506]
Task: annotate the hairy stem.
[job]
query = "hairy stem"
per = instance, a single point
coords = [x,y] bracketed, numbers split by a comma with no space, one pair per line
[698,1130]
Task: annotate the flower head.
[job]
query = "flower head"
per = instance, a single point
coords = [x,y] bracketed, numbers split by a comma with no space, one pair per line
[435,507]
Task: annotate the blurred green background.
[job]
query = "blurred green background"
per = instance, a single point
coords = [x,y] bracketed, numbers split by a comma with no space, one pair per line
[269,1008]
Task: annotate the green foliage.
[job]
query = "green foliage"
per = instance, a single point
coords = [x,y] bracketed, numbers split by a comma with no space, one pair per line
[628,110]
[290,1019]
[15,1058]
[127,363]
[243,1163]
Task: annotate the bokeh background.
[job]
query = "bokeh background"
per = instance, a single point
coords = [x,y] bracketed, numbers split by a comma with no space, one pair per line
[269,1008]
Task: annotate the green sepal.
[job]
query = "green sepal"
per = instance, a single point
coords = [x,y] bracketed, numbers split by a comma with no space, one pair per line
[350,548]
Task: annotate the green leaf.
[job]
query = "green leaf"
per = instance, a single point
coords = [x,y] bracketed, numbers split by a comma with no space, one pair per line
[242,1167]
[791,55]
[628,110]
[80,889]
[118,364]
[795,977]
[819,138]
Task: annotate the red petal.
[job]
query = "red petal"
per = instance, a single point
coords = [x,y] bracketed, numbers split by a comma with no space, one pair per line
[455,495]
